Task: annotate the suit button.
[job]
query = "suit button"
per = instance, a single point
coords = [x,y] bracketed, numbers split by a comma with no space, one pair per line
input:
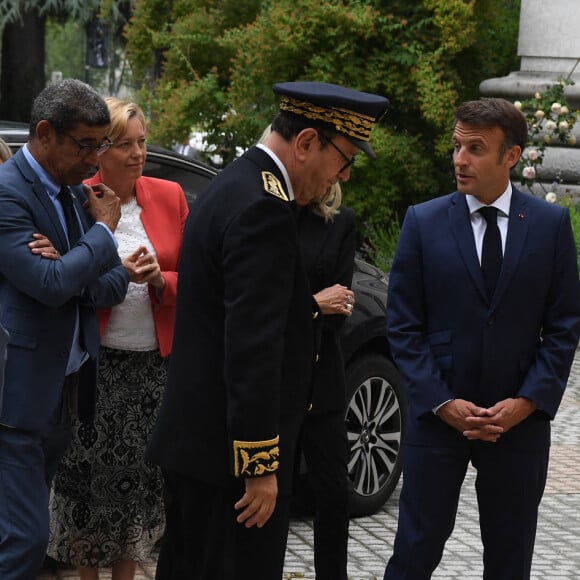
[491,321]
[314,315]
[310,407]
[316,358]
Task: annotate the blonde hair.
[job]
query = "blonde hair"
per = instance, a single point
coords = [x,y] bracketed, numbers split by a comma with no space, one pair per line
[325,206]
[121,112]
[5,151]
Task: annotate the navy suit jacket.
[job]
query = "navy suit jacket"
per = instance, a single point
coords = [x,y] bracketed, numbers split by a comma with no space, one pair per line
[3,348]
[449,341]
[39,297]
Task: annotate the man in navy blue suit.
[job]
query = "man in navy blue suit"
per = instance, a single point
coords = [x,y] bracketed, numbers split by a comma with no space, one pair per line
[485,356]
[3,346]
[48,306]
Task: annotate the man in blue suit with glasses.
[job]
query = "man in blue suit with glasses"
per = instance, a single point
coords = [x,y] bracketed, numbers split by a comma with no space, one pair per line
[48,306]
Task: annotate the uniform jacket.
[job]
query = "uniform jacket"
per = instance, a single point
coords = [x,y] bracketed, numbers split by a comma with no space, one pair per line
[328,256]
[39,297]
[239,374]
[164,209]
[449,341]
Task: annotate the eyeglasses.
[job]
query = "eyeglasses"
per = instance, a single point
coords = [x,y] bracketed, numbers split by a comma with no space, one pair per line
[86,150]
[349,160]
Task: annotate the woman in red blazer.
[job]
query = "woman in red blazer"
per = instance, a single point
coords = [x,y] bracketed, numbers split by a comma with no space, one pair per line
[106,504]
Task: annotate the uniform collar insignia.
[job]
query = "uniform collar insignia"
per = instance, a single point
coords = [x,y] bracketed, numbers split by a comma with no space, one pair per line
[273,186]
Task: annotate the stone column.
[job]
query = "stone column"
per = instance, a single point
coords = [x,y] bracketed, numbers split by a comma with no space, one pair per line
[549,47]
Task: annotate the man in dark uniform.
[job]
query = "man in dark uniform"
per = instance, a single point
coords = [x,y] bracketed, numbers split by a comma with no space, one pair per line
[240,370]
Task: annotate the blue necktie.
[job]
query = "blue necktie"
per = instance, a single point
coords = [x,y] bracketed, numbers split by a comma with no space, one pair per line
[491,252]
[70,216]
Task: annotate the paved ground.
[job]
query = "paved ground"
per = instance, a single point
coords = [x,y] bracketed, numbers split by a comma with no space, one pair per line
[557,554]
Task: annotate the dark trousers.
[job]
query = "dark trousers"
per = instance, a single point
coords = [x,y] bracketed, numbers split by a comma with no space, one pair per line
[203,541]
[325,450]
[509,486]
[28,462]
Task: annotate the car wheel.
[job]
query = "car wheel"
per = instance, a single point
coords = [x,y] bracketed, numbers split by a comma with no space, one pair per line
[375,415]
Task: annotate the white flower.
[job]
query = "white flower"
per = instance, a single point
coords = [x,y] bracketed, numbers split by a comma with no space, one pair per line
[563,126]
[556,108]
[547,139]
[518,105]
[550,126]
[539,114]
[532,154]
[571,139]
[551,197]
[529,172]
[538,95]
[564,110]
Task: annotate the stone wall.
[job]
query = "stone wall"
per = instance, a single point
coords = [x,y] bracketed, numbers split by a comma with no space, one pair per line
[549,48]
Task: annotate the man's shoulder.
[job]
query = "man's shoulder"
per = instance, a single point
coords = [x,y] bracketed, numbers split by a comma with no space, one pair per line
[435,204]
[15,170]
[523,200]
[254,175]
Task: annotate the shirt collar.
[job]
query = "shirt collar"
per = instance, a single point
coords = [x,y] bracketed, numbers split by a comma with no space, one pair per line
[281,167]
[502,203]
[51,187]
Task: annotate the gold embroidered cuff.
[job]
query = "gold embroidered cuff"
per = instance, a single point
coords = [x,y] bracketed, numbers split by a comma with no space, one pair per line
[255,458]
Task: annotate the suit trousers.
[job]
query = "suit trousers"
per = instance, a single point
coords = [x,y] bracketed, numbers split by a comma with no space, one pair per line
[509,486]
[203,541]
[325,450]
[28,462]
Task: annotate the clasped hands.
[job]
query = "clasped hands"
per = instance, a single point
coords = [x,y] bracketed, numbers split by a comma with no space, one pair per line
[485,424]
[142,265]
[143,268]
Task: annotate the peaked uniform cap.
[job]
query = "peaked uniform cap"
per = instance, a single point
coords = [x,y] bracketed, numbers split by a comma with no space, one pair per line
[350,113]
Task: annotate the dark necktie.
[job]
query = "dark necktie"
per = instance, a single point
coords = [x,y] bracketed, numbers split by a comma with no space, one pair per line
[70,217]
[491,252]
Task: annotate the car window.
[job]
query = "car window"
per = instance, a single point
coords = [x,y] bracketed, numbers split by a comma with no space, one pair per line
[192,181]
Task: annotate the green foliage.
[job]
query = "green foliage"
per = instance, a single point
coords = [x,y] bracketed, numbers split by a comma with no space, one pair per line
[65,49]
[11,11]
[210,66]
[381,251]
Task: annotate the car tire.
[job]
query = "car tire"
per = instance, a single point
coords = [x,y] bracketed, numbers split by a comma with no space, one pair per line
[375,418]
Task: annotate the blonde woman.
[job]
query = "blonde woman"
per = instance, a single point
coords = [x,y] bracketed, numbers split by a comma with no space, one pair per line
[327,237]
[106,505]
[5,151]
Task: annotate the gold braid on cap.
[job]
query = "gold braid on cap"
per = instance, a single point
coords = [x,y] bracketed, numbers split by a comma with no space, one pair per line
[351,123]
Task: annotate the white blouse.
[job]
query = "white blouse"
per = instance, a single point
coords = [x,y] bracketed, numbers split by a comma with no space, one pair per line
[131,325]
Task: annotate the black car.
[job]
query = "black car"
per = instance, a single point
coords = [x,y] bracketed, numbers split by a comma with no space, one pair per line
[376,407]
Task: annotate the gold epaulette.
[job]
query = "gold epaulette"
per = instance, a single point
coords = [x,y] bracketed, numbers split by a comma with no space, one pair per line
[273,186]
[255,458]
